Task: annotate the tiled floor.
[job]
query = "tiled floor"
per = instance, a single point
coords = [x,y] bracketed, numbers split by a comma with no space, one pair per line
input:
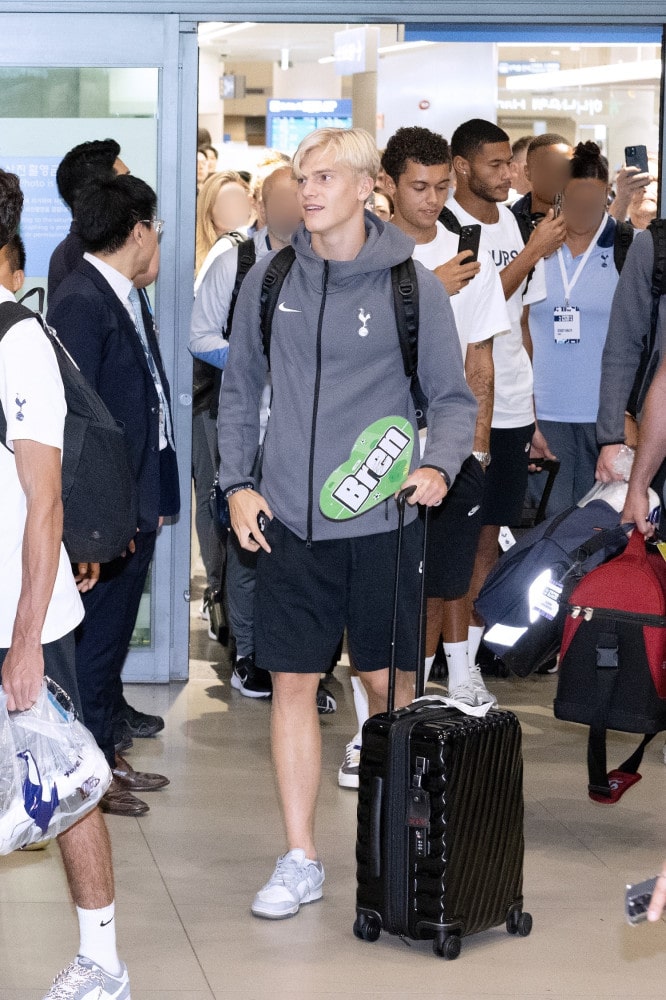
[186,873]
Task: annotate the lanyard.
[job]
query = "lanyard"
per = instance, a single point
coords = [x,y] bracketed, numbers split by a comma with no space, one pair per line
[569,284]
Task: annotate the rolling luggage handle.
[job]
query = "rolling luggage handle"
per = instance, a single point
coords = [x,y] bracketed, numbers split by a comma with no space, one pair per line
[402,498]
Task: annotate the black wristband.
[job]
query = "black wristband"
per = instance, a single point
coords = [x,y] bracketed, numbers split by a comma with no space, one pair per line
[229,492]
[442,472]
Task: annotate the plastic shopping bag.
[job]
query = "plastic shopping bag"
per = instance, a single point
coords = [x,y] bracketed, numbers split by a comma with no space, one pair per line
[51,770]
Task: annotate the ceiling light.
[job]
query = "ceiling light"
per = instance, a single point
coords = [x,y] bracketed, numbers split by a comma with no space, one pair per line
[209,32]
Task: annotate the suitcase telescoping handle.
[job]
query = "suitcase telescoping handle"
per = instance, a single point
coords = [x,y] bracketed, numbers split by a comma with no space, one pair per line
[420,654]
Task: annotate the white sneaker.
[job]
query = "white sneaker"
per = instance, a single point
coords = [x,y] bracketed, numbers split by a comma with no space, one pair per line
[483,695]
[83,980]
[464,693]
[348,773]
[296,880]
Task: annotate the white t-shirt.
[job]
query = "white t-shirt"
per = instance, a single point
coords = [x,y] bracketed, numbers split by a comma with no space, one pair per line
[33,402]
[514,406]
[479,308]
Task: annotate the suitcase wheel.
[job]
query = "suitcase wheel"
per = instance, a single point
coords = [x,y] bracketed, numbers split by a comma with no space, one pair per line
[519,923]
[447,946]
[366,928]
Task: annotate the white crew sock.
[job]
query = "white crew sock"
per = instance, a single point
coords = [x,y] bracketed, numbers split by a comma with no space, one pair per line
[456,661]
[429,660]
[98,937]
[474,636]
[361,705]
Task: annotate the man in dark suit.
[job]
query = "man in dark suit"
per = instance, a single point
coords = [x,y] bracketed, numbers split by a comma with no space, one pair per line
[107,326]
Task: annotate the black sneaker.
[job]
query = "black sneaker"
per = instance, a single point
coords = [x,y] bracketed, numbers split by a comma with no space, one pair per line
[212,610]
[140,725]
[251,680]
[326,703]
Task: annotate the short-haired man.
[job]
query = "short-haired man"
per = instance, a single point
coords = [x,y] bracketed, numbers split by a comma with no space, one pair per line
[40,608]
[482,159]
[208,342]
[107,326]
[87,161]
[418,170]
[547,171]
[339,388]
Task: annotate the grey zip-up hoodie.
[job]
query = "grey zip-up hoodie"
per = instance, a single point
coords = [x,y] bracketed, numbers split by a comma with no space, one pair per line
[330,381]
[628,327]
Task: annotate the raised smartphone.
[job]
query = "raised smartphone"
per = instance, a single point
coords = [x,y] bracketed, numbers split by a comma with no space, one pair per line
[636,156]
[470,237]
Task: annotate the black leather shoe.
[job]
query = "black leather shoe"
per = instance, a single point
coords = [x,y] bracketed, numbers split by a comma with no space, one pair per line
[137,781]
[139,724]
[118,801]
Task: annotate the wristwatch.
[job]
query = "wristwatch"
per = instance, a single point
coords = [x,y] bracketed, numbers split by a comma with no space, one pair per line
[483,458]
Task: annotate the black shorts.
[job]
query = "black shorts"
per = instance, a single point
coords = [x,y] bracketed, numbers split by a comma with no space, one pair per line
[306,597]
[60,666]
[453,535]
[506,476]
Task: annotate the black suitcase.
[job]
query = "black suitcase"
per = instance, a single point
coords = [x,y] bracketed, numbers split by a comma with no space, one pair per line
[440,841]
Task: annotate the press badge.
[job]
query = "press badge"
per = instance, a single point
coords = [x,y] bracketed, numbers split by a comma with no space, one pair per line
[566,323]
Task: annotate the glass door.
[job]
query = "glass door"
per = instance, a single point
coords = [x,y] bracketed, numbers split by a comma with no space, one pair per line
[129,90]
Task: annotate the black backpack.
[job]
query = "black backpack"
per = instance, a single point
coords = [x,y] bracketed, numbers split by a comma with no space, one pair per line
[405,301]
[98,489]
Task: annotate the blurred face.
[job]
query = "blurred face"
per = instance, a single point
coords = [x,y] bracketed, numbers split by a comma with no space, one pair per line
[231,208]
[330,193]
[584,204]
[212,160]
[420,194]
[202,168]
[488,171]
[281,205]
[382,207]
[547,170]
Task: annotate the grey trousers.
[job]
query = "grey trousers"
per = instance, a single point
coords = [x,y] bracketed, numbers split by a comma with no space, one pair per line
[204,468]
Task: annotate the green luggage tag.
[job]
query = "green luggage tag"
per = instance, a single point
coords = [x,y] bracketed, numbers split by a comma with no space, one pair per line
[375,470]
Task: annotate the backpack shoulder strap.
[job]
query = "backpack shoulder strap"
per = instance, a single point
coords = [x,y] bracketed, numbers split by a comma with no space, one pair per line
[526,228]
[406,304]
[12,313]
[276,272]
[624,237]
[247,255]
[450,221]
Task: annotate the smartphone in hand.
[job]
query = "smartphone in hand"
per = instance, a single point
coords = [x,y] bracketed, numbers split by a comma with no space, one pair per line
[636,156]
[470,237]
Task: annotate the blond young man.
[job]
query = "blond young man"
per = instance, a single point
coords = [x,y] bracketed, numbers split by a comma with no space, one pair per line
[337,371]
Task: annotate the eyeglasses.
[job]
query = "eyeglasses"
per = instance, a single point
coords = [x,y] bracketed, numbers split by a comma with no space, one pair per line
[157,224]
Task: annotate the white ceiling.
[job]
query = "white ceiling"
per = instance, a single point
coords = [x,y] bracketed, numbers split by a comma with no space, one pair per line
[264,42]
[306,43]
